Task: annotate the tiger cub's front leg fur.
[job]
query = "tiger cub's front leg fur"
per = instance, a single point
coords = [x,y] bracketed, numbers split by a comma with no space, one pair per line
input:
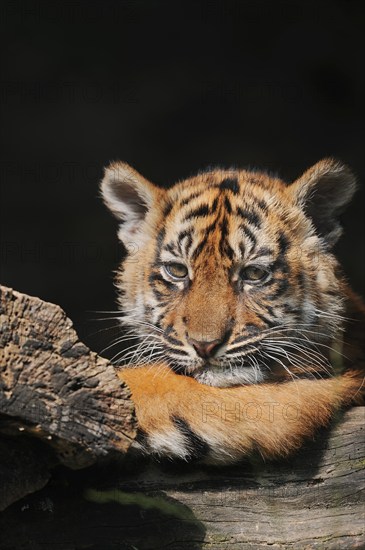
[180,418]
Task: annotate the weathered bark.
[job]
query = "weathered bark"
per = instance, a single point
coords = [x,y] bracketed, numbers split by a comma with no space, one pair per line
[52,387]
[313,500]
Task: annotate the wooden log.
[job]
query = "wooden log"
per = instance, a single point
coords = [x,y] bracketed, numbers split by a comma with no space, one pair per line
[54,388]
[314,500]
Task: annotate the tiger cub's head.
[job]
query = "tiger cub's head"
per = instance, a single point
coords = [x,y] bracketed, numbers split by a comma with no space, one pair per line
[230,276]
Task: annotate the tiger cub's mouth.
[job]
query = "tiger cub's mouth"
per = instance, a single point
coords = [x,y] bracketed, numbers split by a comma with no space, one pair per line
[264,363]
[220,373]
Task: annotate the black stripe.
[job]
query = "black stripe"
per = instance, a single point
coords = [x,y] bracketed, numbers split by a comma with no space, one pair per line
[188,244]
[261,204]
[270,311]
[257,181]
[252,329]
[167,209]
[159,241]
[142,438]
[301,280]
[199,248]
[287,308]
[201,211]
[264,251]
[269,322]
[226,250]
[239,339]
[332,293]
[248,233]
[186,201]
[224,247]
[244,348]
[280,265]
[223,226]
[159,319]
[159,295]
[210,228]
[242,249]
[231,184]
[227,205]
[229,251]
[160,236]
[157,277]
[172,340]
[252,217]
[198,448]
[215,204]
[183,235]
[282,287]
[171,247]
[283,243]
[169,329]
[178,369]
[177,351]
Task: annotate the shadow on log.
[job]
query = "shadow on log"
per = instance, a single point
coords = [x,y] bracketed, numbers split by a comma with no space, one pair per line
[62,404]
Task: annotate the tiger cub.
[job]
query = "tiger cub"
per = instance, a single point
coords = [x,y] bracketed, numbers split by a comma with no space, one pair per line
[249,337]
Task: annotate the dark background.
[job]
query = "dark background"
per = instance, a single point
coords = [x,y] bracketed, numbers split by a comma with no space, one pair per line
[169,87]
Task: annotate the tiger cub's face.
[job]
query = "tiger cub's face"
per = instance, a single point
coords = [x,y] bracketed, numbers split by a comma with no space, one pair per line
[230,276]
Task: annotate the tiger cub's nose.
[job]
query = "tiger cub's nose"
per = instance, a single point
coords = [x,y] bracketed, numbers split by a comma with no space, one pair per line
[205,349]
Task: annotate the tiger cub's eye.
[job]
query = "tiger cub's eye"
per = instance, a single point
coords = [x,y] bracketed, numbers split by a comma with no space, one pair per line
[254,273]
[177,271]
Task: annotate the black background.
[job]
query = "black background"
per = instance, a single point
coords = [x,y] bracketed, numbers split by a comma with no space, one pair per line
[170,87]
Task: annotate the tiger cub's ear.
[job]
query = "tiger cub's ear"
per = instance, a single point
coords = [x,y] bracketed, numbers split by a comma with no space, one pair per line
[323,192]
[129,196]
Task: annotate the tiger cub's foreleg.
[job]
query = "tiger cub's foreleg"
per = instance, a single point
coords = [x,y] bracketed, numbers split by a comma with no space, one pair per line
[181,418]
